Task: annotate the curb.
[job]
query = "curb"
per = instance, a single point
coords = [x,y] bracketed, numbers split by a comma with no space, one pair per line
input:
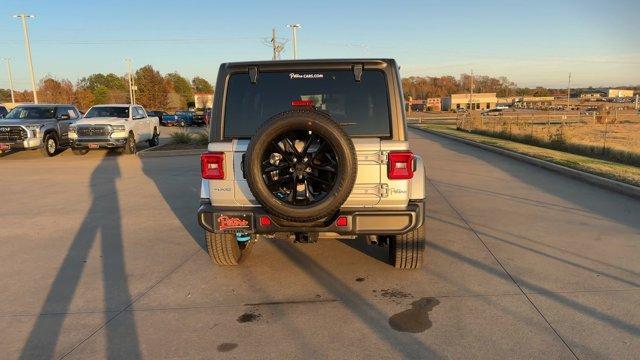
[617,186]
[162,153]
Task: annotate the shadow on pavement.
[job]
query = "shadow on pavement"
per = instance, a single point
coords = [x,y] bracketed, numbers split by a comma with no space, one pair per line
[179,185]
[406,344]
[611,209]
[102,219]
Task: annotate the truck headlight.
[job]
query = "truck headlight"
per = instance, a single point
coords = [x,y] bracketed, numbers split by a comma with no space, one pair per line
[72,129]
[34,128]
[118,127]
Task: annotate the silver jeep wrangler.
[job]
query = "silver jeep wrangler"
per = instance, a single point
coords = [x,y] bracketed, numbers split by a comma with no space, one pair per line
[312,148]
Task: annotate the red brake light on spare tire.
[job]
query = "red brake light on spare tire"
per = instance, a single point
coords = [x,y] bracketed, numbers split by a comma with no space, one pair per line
[400,165]
[302,103]
[212,165]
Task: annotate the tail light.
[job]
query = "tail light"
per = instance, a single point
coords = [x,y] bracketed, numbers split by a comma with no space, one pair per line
[211,165]
[400,165]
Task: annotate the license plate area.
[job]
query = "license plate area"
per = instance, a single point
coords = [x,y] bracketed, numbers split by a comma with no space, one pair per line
[94,146]
[232,222]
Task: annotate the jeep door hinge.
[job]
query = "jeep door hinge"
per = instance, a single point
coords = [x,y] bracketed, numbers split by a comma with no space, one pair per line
[383,190]
[382,157]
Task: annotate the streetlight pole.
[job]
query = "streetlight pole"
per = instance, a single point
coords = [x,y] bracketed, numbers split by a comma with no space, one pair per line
[568,91]
[8,60]
[131,99]
[294,30]
[27,45]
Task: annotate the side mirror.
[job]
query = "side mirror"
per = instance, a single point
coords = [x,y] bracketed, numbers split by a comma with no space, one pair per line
[64,117]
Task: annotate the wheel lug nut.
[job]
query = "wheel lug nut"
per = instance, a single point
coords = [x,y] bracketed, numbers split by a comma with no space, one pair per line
[308,169]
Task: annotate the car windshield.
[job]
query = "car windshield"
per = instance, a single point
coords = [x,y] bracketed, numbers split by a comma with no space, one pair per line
[32,112]
[108,111]
[361,107]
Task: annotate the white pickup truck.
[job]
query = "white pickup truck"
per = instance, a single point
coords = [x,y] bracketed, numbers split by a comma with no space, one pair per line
[119,126]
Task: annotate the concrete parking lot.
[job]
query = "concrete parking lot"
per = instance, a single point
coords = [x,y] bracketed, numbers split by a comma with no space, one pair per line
[101,257]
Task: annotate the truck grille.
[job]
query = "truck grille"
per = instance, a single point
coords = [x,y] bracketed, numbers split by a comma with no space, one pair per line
[12,133]
[94,130]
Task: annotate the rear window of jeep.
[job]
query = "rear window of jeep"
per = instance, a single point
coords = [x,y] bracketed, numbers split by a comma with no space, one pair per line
[361,107]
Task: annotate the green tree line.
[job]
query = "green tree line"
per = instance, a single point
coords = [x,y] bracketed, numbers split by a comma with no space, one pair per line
[170,92]
[422,87]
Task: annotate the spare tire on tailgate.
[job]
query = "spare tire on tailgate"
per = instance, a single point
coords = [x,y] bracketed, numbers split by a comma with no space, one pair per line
[300,165]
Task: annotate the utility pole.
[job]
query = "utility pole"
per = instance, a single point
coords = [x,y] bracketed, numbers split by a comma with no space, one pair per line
[8,60]
[568,91]
[294,30]
[273,43]
[27,45]
[131,99]
[278,47]
[471,92]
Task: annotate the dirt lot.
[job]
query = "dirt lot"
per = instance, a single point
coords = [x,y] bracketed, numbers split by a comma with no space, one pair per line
[622,136]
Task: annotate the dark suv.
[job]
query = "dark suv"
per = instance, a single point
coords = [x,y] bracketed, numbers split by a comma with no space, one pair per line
[314,148]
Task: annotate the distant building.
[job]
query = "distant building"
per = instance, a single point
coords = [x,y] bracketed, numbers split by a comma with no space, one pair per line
[415,105]
[507,101]
[594,95]
[620,93]
[434,104]
[479,101]
[203,101]
[529,101]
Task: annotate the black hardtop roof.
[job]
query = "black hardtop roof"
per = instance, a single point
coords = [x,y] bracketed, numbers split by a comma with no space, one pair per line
[307,62]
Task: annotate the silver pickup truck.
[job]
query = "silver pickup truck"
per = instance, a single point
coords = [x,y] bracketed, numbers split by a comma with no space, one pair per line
[42,126]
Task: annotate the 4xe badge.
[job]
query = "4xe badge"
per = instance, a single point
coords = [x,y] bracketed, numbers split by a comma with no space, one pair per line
[226,222]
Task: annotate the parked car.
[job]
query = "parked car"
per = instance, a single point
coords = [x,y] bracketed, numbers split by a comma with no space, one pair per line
[44,127]
[590,111]
[170,120]
[185,118]
[207,116]
[159,114]
[492,112]
[3,111]
[335,163]
[119,126]
[198,117]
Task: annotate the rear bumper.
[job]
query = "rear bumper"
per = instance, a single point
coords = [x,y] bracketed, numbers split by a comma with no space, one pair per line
[366,221]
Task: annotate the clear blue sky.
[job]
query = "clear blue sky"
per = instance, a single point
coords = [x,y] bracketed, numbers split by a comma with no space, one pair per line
[532,43]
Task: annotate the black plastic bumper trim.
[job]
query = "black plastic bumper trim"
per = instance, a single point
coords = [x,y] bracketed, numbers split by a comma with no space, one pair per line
[393,219]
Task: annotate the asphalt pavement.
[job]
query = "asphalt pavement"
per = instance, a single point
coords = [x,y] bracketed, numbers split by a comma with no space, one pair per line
[101,257]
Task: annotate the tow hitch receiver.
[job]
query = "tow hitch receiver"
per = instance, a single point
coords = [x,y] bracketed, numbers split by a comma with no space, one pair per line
[306,238]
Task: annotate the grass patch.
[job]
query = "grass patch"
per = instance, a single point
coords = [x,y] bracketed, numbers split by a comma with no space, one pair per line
[181,137]
[612,170]
[201,138]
